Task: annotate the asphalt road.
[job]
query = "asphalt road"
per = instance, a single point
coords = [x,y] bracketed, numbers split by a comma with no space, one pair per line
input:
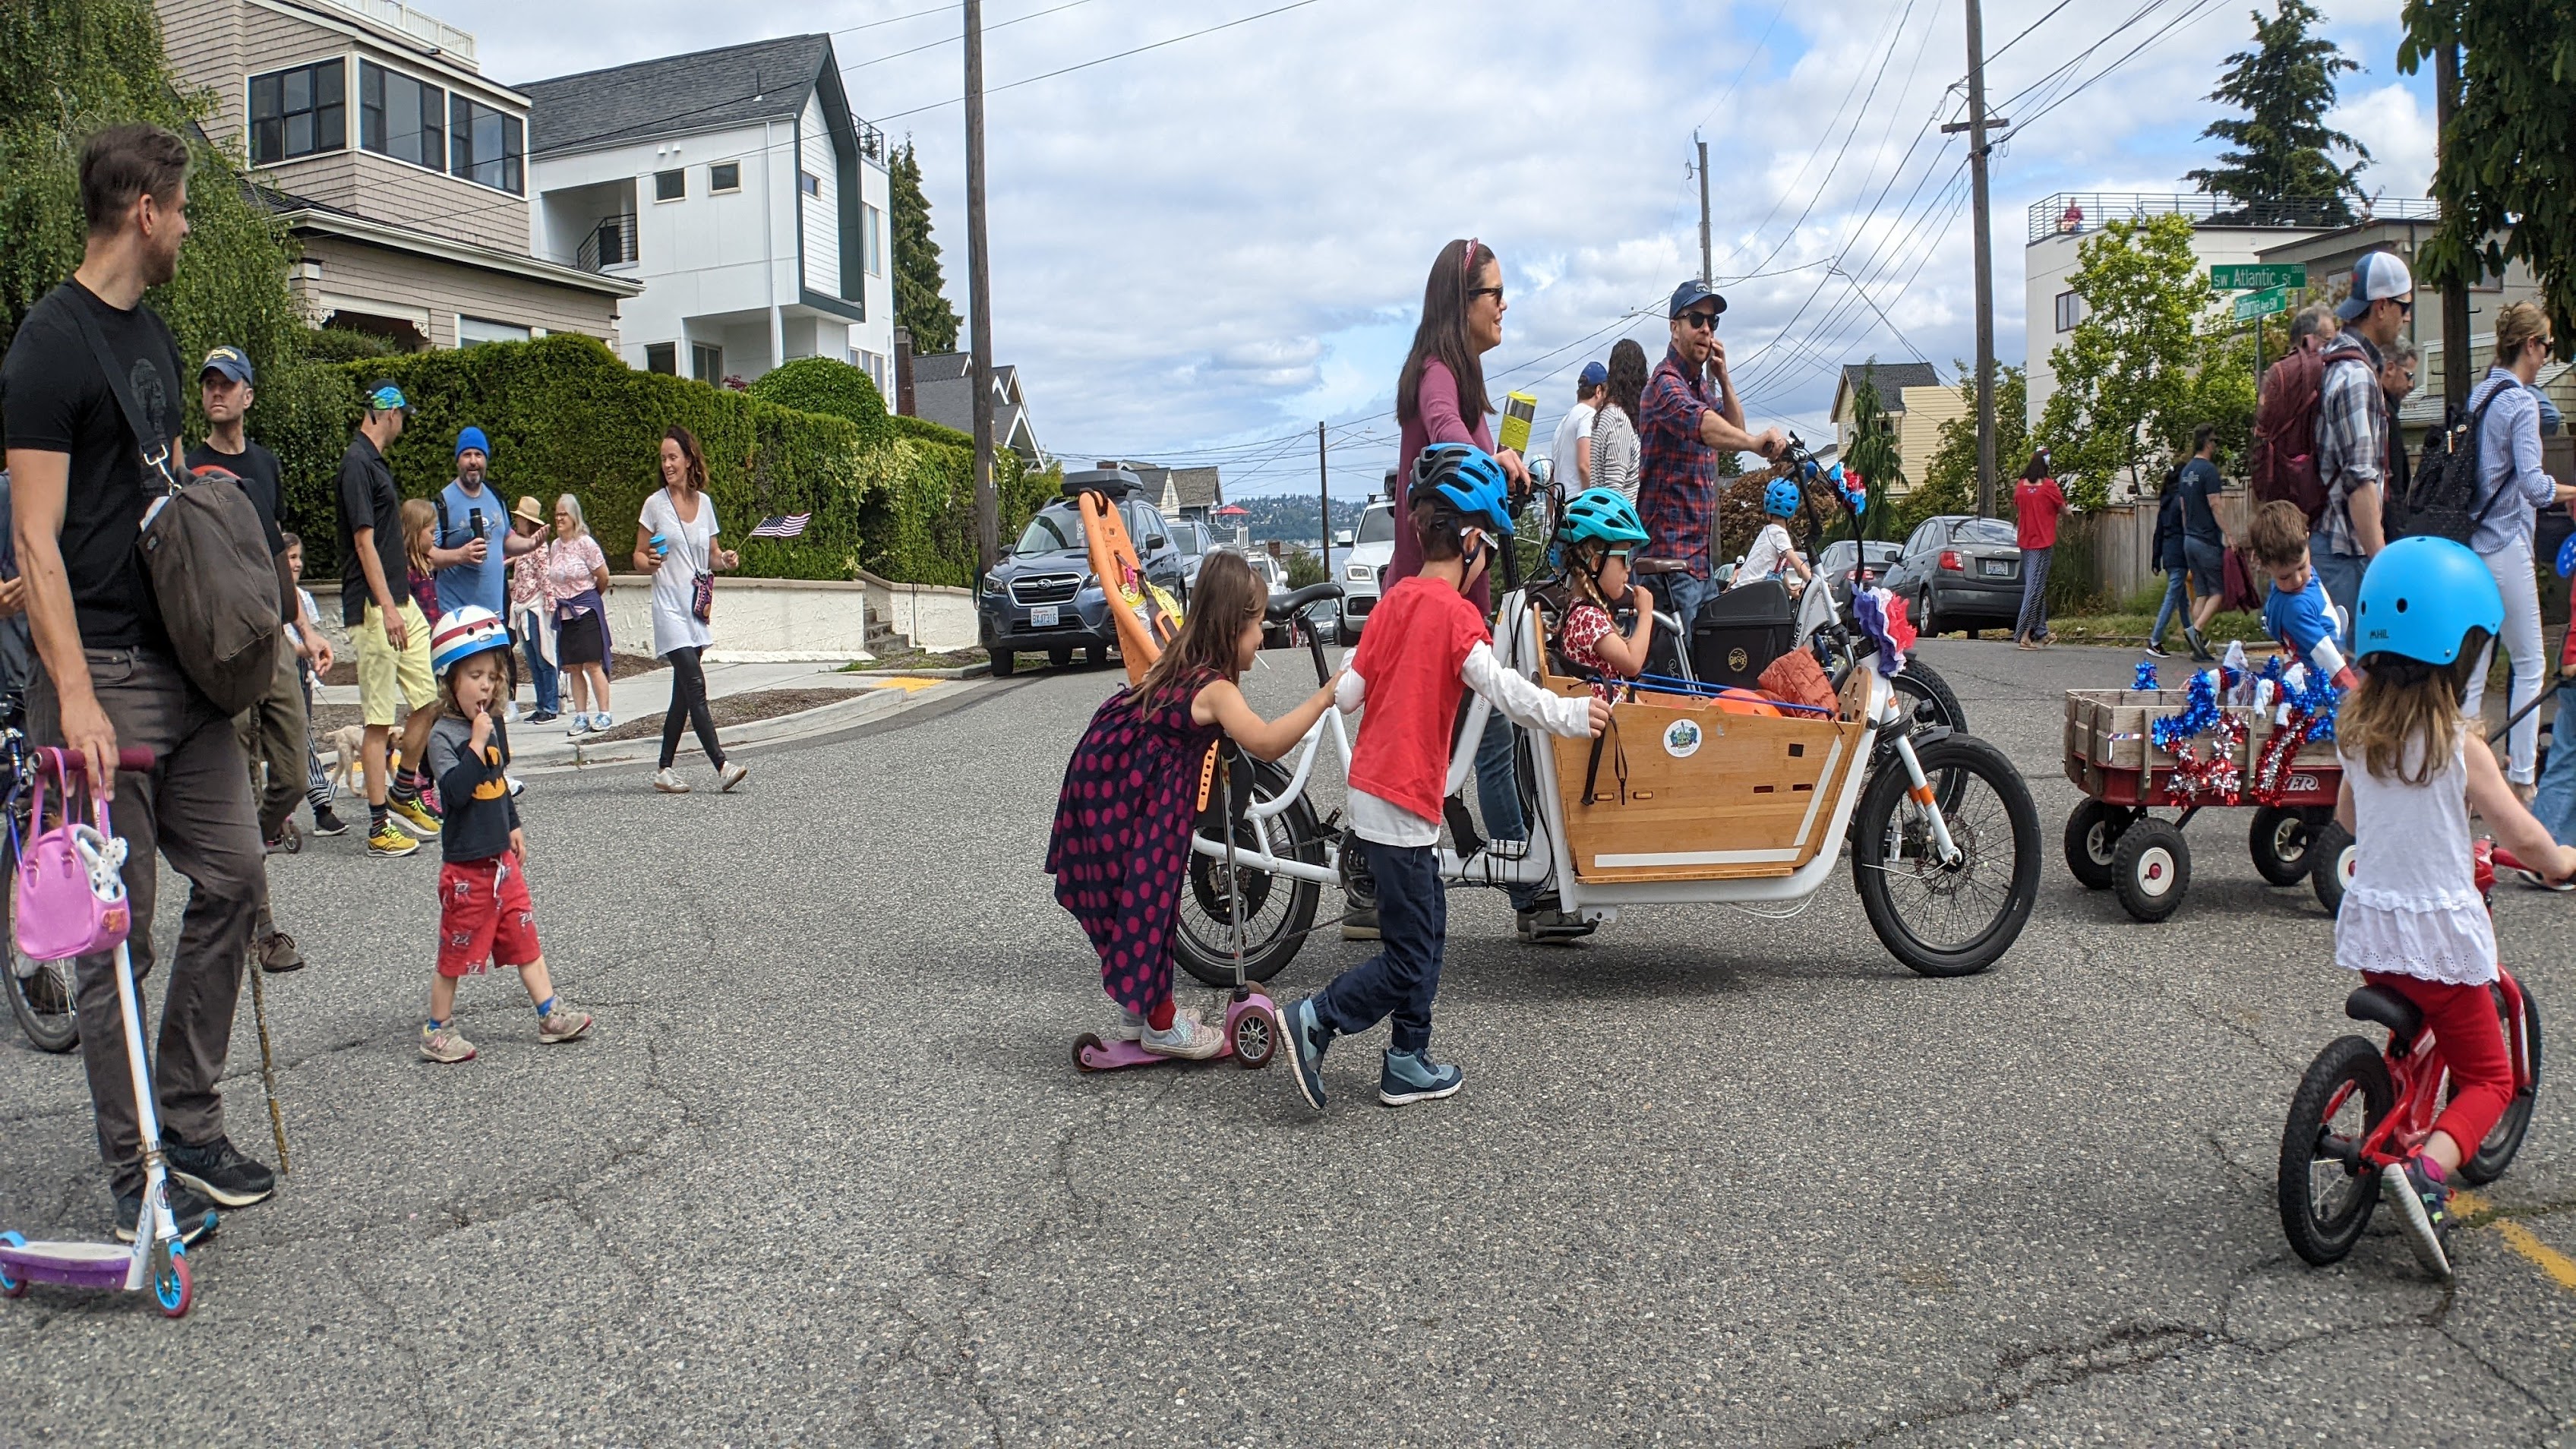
[824,1175]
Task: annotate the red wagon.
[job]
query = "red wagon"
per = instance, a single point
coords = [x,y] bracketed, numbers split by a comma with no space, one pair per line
[2115,840]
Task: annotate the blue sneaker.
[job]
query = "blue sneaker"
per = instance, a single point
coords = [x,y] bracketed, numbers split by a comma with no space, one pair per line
[1305,1039]
[1413,1077]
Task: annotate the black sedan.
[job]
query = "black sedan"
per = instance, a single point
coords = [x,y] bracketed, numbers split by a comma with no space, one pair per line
[1958,571]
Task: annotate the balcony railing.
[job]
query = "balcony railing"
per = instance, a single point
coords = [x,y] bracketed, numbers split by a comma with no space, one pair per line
[428,29]
[872,142]
[609,244]
[2070,212]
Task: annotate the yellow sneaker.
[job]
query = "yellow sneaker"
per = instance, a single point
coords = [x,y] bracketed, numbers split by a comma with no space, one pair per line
[414,816]
[389,842]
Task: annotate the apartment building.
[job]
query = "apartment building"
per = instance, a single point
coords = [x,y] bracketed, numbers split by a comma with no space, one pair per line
[398,166]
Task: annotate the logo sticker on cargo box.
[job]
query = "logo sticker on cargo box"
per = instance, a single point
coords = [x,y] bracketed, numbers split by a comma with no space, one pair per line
[1681,739]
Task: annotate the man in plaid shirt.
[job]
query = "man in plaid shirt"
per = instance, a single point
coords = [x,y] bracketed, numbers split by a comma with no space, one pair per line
[1681,433]
[2353,425]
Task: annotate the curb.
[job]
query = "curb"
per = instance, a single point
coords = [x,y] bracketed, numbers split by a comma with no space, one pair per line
[783,729]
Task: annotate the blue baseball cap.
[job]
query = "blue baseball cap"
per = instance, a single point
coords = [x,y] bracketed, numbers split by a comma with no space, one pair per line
[1690,294]
[384,397]
[2376,276]
[472,437]
[1593,375]
[229,360]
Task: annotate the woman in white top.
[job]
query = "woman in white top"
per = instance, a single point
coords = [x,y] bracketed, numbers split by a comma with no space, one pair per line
[2511,491]
[675,541]
[2412,921]
[1614,428]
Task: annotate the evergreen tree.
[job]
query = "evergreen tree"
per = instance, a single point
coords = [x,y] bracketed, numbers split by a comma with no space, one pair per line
[2285,86]
[1873,453]
[920,293]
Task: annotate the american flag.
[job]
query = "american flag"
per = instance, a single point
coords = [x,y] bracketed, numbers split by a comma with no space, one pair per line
[791,526]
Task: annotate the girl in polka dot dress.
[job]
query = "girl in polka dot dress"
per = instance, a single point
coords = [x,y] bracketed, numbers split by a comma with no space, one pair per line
[1121,846]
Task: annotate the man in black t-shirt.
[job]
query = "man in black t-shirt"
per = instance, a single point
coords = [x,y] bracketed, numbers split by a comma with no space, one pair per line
[271,733]
[81,479]
[391,634]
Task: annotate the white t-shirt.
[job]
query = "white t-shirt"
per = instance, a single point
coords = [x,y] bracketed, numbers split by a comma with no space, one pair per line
[1576,424]
[1768,556]
[675,621]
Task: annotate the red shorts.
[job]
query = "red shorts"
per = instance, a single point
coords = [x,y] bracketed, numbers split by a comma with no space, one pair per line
[484,915]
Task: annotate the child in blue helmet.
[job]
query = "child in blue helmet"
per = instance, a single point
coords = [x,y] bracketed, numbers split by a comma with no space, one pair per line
[2412,921]
[1600,530]
[1426,644]
[1773,554]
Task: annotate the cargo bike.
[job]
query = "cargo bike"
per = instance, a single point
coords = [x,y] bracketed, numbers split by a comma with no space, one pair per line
[2116,841]
[1696,794]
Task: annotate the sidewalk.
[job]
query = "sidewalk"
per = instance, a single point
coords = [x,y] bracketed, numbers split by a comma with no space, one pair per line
[637,696]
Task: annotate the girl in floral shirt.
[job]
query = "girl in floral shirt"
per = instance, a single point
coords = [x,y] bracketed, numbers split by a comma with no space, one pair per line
[1599,531]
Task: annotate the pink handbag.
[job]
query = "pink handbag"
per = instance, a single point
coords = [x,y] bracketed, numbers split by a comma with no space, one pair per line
[71,892]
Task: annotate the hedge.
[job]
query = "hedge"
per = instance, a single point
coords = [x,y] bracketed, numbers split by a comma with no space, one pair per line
[834,389]
[566,415]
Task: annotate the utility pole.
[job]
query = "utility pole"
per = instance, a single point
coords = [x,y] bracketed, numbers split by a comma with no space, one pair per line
[979,287]
[1324,493]
[1976,126]
[1707,274]
[2455,295]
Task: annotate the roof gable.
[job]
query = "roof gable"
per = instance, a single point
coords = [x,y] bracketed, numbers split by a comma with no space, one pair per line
[767,80]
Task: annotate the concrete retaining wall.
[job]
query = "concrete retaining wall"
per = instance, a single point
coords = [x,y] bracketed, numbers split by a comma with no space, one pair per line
[939,617]
[799,619]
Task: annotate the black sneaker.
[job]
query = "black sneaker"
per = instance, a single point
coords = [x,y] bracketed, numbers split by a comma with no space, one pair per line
[2156,648]
[2423,1210]
[218,1171]
[543,716]
[194,1215]
[2199,645]
[326,823]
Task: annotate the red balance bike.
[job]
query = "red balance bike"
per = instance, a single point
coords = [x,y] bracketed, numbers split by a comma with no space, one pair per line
[2361,1107]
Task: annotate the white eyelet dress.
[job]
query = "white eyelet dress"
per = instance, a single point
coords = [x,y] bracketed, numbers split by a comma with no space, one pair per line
[2413,908]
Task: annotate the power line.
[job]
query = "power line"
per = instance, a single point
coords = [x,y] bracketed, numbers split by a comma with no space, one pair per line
[896,19]
[954,39]
[1104,60]
[1995,54]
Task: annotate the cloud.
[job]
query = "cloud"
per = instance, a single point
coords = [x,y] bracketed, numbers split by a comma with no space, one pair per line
[1224,240]
[2397,128]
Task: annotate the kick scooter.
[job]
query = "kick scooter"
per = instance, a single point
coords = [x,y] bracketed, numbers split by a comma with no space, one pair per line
[157,1256]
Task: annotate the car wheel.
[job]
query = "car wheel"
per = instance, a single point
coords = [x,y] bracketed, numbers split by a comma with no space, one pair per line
[1003,660]
[1923,624]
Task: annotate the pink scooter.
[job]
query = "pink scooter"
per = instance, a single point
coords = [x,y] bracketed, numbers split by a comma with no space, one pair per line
[157,1255]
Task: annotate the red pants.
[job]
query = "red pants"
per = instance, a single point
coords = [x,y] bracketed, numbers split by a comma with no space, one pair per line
[2464,1023]
[484,912]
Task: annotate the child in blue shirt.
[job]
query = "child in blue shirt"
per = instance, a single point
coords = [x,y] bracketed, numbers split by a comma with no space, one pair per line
[2297,612]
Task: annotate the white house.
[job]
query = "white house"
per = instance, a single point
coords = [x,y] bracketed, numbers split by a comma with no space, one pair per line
[739,189]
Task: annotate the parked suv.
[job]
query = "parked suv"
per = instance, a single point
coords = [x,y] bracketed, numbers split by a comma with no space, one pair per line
[1044,598]
[1363,571]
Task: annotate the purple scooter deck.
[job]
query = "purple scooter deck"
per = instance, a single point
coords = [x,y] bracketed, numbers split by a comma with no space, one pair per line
[1247,1039]
[81,1265]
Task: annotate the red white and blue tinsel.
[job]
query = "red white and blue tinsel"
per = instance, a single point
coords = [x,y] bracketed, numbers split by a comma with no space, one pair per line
[1881,616]
[2146,676]
[2215,774]
[2309,700]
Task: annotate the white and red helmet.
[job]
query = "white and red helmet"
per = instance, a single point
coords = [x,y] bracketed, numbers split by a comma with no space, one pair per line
[463,633]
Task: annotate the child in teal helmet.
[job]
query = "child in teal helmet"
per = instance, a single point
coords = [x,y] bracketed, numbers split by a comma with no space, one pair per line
[1426,646]
[1773,553]
[1600,531]
[2413,768]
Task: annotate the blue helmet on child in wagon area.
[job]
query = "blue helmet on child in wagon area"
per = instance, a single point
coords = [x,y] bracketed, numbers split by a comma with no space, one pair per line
[1601,515]
[1469,479]
[2421,596]
[1782,498]
[463,633]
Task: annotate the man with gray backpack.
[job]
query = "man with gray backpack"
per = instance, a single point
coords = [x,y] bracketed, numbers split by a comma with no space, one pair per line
[90,406]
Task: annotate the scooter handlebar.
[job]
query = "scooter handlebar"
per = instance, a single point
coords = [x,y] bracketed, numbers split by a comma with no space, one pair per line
[72,762]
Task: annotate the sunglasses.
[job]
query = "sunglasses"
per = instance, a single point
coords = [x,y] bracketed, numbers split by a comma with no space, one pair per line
[1617,555]
[1699,321]
[1495,292]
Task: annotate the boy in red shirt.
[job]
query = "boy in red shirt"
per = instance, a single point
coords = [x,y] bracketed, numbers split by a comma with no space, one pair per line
[1425,645]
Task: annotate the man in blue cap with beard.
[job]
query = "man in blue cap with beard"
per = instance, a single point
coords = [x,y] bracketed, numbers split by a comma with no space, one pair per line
[475,541]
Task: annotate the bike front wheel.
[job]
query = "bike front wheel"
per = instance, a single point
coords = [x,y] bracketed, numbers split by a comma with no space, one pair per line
[2326,1189]
[1278,910]
[1948,918]
[40,992]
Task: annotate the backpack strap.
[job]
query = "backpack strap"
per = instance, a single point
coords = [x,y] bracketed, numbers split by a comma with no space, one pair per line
[155,452]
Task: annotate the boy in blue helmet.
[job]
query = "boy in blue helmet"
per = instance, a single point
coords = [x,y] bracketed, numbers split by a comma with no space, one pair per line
[1773,554]
[1426,644]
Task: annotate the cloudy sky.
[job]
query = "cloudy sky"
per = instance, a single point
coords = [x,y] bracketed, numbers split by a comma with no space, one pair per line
[1202,250]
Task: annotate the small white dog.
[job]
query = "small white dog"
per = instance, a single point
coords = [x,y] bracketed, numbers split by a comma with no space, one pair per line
[344,744]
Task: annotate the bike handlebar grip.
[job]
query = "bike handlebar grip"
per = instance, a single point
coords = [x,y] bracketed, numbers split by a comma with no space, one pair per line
[72,762]
[135,760]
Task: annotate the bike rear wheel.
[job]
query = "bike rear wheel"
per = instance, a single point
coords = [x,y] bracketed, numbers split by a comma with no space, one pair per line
[1948,919]
[2326,1191]
[40,992]
[2505,1139]
[1277,911]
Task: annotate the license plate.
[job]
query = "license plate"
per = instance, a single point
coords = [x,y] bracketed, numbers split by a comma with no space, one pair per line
[1042,616]
[1997,568]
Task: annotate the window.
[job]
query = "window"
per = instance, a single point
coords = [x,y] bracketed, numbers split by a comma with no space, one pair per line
[400,117]
[2070,310]
[706,363]
[670,185]
[725,176]
[871,248]
[662,357]
[809,183]
[486,146]
[298,112]
[471,330]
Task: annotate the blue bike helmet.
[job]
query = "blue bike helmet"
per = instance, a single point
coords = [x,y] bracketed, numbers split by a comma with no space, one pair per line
[1467,479]
[1782,498]
[2421,596]
[1601,515]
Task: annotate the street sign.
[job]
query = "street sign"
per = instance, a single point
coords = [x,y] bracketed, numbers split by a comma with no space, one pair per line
[2262,304]
[2239,278]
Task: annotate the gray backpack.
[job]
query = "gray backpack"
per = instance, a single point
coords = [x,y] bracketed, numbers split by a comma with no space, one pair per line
[208,560]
